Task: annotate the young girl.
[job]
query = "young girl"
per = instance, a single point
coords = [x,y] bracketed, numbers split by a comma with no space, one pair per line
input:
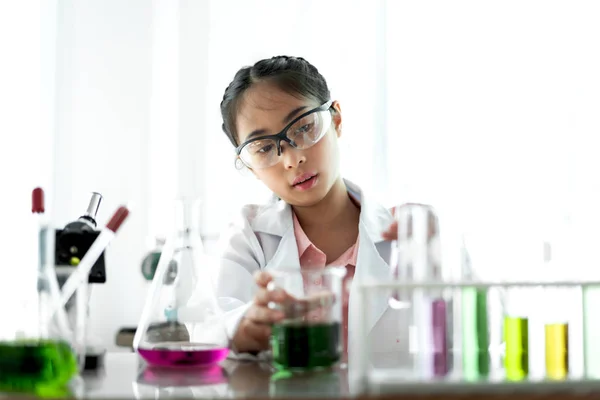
[285,127]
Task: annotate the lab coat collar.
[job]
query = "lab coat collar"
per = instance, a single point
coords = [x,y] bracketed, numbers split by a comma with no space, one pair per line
[374,219]
[276,219]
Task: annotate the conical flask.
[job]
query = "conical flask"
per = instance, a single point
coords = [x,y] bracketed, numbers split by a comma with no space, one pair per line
[37,348]
[181,323]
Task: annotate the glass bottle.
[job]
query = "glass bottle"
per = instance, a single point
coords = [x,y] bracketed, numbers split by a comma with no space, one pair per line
[181,323]
[39,357]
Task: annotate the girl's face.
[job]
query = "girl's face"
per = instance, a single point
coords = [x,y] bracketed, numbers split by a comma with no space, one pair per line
[300,177]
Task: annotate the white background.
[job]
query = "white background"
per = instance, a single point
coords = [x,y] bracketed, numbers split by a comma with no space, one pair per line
[485,108]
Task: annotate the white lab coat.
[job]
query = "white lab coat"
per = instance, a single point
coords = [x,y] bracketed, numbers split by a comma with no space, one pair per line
[262,238]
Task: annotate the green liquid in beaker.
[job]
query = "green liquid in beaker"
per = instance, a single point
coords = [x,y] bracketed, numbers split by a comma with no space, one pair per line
[43,367]
[298,345]
[516,356]
[476,342]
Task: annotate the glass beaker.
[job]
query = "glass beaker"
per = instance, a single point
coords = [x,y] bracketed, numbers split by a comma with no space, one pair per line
[38,354]
[181,323]
[310,337]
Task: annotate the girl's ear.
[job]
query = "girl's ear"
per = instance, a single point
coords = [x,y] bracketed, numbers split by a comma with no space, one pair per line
[337,117]
[243,169]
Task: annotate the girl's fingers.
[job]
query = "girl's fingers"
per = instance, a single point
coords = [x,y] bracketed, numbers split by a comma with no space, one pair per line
[262,278]
[264,315]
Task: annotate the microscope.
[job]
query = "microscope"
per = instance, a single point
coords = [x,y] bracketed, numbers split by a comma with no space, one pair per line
[72,243]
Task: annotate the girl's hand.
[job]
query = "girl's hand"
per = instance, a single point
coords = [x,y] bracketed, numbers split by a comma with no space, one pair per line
[254,330]
[391,233]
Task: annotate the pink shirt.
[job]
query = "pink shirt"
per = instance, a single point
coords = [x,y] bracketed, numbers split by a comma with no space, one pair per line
[313,258]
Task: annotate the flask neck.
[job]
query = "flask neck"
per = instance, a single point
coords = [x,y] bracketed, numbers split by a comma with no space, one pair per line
[187,218]
[188,238]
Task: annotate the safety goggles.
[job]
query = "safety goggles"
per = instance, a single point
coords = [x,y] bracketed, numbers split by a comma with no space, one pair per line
[302,133]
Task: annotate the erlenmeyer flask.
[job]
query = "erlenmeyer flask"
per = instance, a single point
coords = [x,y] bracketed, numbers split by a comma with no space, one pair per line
[182,324]
[39,356]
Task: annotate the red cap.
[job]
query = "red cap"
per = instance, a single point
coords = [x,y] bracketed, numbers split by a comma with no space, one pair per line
[117,219]
[37,201]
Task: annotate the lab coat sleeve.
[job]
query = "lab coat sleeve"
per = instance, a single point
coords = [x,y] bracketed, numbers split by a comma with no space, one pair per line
[240,256]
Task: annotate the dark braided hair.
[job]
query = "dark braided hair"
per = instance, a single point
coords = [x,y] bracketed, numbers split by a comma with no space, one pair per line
[294,75]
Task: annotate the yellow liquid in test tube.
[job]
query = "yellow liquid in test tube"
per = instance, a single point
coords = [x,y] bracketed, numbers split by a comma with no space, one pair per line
[557,351]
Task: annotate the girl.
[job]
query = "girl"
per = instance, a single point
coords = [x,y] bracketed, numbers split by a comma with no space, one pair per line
[284,126]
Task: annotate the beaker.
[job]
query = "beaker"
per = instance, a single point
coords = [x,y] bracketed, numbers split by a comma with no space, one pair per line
[310,336]
[181,323]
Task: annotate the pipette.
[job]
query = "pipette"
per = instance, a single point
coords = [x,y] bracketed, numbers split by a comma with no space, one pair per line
[92,255]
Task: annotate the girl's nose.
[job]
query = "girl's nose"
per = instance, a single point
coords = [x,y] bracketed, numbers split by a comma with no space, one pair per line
[292,157]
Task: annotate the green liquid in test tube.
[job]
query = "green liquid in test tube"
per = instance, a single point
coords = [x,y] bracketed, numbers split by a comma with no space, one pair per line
[475,324]
[476,341]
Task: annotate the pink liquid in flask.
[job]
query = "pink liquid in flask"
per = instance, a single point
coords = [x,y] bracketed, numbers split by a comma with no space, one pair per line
[173,354]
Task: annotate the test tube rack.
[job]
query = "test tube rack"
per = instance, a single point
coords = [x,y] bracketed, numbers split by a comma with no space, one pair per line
[407,380]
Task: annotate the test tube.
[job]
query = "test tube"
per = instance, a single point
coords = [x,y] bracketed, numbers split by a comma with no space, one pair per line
[421,262]
[475,325]
[557,350]
[515,335]
[591,331]
[402,271]
[556,326]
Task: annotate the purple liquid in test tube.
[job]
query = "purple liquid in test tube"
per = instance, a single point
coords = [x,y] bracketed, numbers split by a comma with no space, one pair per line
[423,263]
[440,338]
[431,337]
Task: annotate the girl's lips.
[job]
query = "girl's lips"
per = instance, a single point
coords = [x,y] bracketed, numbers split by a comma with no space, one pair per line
[303,177]
[307,184]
